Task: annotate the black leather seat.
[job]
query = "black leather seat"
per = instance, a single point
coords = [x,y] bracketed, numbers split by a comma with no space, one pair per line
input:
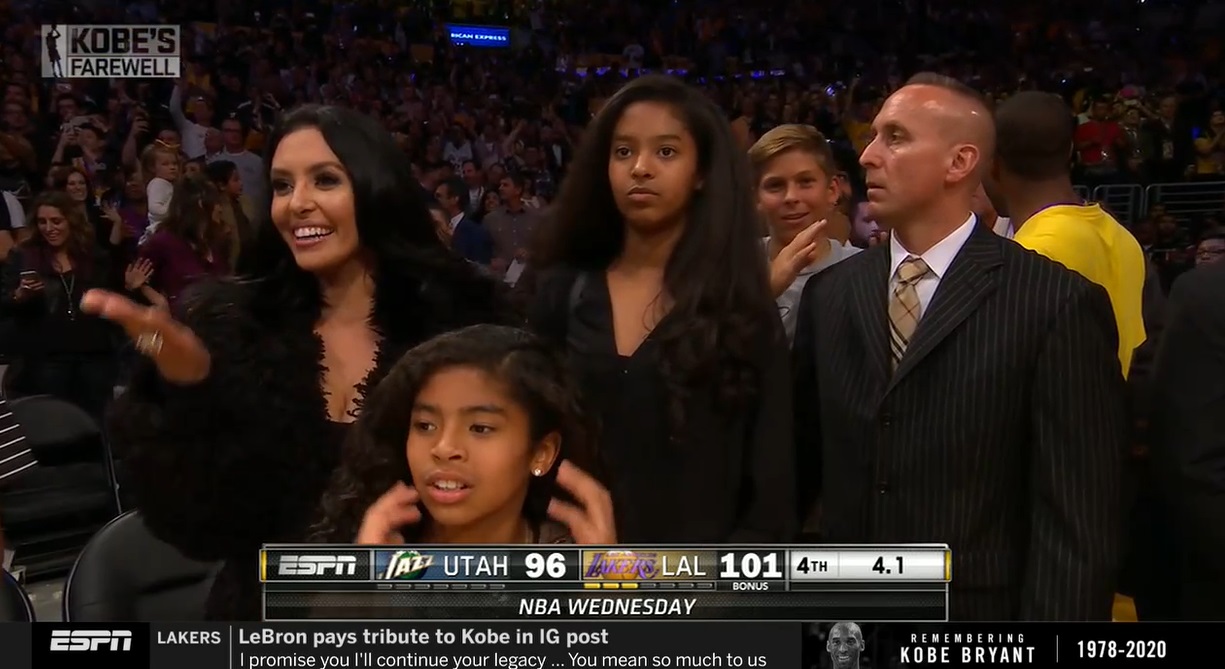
[60,432]
[15,606]
[126,574]
[50,511]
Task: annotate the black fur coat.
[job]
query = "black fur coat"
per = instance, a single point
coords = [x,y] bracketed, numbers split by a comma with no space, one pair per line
[243,458]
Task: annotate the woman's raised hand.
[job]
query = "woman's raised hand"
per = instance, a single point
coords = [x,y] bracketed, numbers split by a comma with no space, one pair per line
[385,519]
[137,275]
[590,519]
[180,356]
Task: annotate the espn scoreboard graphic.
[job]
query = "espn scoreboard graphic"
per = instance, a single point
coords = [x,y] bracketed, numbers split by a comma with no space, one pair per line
[782,583]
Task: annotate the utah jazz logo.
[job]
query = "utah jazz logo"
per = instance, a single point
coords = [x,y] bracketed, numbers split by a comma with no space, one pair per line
[407,565]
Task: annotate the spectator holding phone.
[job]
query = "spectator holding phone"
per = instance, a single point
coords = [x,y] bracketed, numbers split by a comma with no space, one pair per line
[61,351]
[138,131]
[194,129]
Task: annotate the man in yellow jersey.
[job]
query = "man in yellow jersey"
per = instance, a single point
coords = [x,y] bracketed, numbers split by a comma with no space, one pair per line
[1033,150]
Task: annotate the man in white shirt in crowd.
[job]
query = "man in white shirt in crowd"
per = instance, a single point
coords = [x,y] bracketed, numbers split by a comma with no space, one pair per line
[234,149]
[457,148]
[193,130]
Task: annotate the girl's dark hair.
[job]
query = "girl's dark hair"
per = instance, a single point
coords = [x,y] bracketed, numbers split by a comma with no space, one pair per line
[374,456]
[716,275]
[220,172]
[414,272]
[190,215]
[480,213]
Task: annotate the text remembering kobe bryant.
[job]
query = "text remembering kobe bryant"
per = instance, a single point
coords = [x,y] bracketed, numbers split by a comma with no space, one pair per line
[511,646]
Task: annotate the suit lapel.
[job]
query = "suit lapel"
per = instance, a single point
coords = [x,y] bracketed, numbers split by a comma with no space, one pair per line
[969,280]
[871,307]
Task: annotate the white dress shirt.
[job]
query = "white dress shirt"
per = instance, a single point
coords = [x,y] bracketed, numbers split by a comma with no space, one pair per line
[938,258]
[475,195]
[17,213]
[1003,227]
[192,133]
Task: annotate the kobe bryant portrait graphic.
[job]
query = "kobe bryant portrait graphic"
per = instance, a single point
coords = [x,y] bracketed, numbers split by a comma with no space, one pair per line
[55,45]
[844,644]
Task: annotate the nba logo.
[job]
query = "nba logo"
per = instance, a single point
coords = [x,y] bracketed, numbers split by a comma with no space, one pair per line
[107,52]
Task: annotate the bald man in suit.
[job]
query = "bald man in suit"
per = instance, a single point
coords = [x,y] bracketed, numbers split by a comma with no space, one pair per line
[953,387]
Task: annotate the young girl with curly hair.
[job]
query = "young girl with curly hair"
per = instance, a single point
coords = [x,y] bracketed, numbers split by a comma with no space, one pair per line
[474,437]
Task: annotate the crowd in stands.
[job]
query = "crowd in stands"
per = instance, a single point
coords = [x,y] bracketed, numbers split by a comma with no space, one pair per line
[146,186]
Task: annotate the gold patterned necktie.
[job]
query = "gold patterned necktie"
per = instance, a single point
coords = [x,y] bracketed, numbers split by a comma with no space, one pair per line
[905,308]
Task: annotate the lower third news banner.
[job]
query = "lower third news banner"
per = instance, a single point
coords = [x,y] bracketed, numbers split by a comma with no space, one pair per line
[578,645]
[525,645]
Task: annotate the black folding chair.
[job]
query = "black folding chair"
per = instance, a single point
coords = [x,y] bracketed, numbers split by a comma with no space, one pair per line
[60,432]
[52,510]
[126,574]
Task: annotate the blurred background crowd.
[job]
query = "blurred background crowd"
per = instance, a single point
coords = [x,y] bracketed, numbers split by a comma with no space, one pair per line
[96,174]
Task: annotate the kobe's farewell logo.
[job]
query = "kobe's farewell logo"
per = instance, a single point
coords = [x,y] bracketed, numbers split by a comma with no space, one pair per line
[53,57]
[844,645]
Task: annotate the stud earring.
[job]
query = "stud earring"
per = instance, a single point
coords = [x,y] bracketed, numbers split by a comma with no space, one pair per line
[537,472]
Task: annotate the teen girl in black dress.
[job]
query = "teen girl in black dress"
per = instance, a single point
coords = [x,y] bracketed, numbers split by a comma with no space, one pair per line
[653,281]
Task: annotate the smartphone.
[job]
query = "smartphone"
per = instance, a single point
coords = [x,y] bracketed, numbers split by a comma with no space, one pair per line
[29,276]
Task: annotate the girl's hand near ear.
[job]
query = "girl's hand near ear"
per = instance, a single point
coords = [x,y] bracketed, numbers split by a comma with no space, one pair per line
[591,520]
[384,520]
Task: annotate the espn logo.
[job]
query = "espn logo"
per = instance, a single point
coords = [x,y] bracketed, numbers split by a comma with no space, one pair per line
[317,565]
[91,640]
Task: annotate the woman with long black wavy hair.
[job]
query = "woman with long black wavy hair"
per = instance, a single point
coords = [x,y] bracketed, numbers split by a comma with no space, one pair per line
[234,429]
[651,276]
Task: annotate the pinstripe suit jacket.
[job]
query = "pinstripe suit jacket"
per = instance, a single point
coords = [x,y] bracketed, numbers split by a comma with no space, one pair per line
[1001,433]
